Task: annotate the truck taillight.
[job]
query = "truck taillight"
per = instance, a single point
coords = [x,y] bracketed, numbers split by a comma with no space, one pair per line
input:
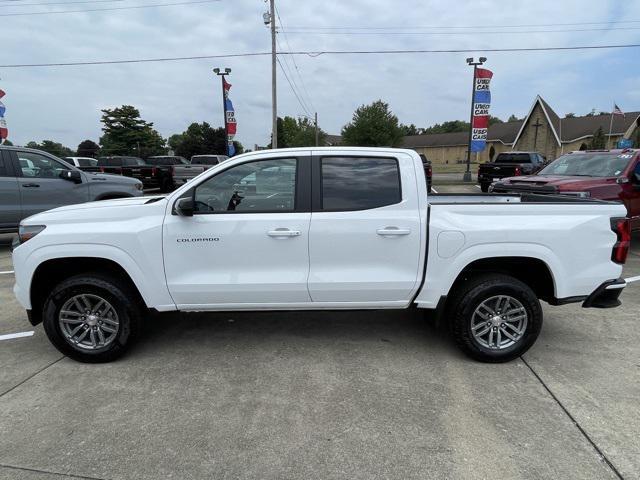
[429,170]
[172,170]
[101,169]
[154,170]
[622,228]
[517,172]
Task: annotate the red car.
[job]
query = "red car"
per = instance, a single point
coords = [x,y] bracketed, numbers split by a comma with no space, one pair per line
[602,174]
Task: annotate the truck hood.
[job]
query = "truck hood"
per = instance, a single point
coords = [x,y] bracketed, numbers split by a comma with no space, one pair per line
[83,211]
[560,182]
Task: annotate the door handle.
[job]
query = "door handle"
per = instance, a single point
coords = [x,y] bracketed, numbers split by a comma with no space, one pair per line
[283,232]
[393,231]
[30,185]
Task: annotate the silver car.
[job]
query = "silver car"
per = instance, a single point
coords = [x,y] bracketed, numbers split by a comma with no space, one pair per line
[32,181]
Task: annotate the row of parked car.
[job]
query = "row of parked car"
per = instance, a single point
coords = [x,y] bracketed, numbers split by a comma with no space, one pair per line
[165,172]
[612,175]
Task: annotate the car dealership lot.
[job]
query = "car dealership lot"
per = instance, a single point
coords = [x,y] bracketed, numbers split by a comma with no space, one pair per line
[324,395]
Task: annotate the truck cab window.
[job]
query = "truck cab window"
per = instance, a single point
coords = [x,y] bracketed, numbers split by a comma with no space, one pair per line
[263,186]
[359,183]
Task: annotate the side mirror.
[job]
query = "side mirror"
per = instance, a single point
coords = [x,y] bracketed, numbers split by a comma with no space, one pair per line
[184,207]
[71,175]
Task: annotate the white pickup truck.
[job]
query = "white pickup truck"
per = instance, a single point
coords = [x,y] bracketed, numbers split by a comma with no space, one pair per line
[318,228]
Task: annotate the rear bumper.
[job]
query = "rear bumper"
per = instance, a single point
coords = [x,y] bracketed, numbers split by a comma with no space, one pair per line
[606,295]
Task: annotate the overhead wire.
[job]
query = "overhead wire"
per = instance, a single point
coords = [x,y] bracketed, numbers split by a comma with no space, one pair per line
[107,9]
[314,54]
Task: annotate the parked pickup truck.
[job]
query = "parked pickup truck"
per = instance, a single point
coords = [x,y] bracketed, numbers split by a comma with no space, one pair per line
[318,229]
[508,164]
[134,167]
[181,171]
[32,181]
[208,161]
[603,174]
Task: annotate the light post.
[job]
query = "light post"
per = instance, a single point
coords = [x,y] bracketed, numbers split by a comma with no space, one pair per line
[223,74]
[471,62]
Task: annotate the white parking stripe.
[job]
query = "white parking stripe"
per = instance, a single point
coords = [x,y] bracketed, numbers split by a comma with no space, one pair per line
[434,190]
[7,272]
[632,279]
[16,335]
[477,186]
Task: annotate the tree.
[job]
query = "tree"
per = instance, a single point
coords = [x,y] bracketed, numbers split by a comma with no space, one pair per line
[409,129]
[598,140]
[7,142]
[298,132]
[570,115]
[512,118]
[493,120]
[88,148]
[450,126]
[591,113]
[201,139]
[373,126]
[125,133]
[54,148]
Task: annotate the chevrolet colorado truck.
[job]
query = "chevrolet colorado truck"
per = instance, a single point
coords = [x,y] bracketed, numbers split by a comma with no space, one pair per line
[318,229]
[603,174]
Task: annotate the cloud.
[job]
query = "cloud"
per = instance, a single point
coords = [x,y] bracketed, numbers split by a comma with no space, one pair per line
[64,104]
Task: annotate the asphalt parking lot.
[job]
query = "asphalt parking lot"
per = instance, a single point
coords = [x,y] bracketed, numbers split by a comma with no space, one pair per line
[355,395]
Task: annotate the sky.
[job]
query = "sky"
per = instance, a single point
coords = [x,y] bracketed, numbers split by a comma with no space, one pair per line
[63,103]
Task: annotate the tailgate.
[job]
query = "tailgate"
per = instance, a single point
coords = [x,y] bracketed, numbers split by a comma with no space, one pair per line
[498,170]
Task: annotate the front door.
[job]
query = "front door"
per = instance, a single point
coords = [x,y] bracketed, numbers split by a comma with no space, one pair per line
[366,232]
[41,187]
[246,246]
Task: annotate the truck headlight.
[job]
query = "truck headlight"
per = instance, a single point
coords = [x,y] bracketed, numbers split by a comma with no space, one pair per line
[27,232]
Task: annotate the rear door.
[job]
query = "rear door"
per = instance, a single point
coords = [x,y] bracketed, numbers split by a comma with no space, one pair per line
[41,187]
[10,211]
[365,237]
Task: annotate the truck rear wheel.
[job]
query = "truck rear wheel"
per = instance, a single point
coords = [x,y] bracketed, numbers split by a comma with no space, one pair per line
[495,318]
[485,187]
[92,318]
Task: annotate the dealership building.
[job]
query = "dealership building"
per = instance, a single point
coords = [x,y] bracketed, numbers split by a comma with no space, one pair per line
[542,130]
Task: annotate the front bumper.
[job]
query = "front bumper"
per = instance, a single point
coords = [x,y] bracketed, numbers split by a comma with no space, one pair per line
[606,295]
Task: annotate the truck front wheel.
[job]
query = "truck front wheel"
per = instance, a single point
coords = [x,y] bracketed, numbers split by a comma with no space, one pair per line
[495,318]
[92,318]
[485,187]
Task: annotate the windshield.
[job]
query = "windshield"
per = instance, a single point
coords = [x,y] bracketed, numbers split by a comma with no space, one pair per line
[588,165]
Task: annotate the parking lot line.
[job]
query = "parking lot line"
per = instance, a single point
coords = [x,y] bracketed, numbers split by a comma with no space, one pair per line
[434,190]
[11,336]
[6,272]
[632,279]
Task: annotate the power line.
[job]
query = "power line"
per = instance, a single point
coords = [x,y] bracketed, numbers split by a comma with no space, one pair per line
[106,9]
[447,27]
[304,87]
[292,89]
[64,3]
[291,79]
[494,32]
[314,54]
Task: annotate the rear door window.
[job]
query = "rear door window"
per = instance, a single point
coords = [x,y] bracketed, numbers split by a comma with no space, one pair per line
[359,183]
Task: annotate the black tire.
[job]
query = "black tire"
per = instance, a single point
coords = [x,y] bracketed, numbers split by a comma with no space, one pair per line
[471,294]
[485,187]
[124,301]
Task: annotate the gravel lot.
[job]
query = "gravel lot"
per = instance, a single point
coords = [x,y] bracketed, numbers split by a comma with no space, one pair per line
[324,395]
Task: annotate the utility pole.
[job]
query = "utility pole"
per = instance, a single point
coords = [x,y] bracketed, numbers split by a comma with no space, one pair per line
[315,121]
[481,60]
[274,95]
[223,74]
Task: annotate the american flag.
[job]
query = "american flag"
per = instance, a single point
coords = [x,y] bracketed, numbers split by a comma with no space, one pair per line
[616,110]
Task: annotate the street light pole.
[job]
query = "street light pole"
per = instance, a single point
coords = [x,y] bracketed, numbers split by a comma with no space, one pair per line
[315,121]
[470,61]
[223,74]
